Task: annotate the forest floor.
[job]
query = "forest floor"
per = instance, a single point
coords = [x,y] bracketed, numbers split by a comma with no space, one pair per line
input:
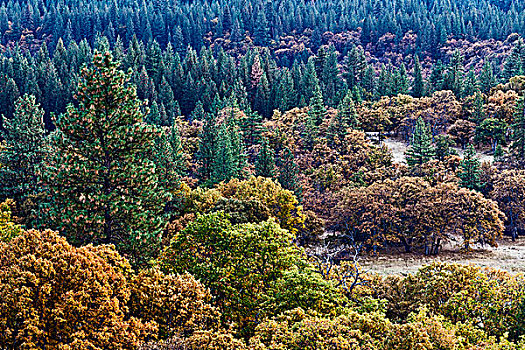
[398,148]
[509,256]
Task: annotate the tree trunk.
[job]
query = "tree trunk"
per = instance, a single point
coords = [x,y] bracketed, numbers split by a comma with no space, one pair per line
[436,246]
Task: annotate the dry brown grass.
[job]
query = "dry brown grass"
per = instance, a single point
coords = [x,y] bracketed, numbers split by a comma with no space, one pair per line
[509,256]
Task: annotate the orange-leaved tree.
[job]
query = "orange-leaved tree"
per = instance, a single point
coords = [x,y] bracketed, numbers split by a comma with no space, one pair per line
[178,304]
[56,296]
[413,213]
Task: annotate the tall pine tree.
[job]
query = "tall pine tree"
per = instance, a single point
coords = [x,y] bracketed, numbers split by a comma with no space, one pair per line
[514,64]
[486,77]
[317,110]
[21,158]
[478,113]
[229,160]
[265,165]
[168,156]
[345,118]
[207,147]
[470,171]
[418,87]
[518,132]
[288,171]
[421,149]
[102,189]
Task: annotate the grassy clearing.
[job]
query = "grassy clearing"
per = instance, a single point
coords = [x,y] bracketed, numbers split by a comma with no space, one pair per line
[398,149]
[509,256]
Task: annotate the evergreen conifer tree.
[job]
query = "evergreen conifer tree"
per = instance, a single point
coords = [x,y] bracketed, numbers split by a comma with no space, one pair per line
[236,34]
[168,156]
[198,112]
[265,165]
[315,39]
[261,35]
[478,113]
[207,147]
[418,87]
[308,79]
[154,117]
[239,152]
[330,77]
[226,18]
[355,66]
[384,83]
[368,83]
[167,98]
[470,84]
[345,118]
[486,78]
[357,95]
[436,79]
[455,72]
[421,149]
[514,63]
[252,127]
[443,147]
[401,84]
[262,97]
[317,110]
[101,187]
[310,132]
[21,157]
[499,154]
[9,92]
[4,20]
[229,160]
[470,171]
[518,132]
[288,171]
[287,94]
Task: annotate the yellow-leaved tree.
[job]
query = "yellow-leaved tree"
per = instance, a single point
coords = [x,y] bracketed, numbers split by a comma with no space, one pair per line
[8,229]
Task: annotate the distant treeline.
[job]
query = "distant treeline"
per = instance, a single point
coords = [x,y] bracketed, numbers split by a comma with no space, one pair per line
[197,23]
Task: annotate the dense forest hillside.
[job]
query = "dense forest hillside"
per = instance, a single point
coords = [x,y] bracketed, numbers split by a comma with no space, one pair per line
[209,174]
[207,50]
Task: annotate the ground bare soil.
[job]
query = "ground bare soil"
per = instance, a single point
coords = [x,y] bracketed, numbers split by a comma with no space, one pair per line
[509,256]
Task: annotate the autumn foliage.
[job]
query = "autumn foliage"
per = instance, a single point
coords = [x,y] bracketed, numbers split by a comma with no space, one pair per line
[223,199]
[8,229]
[57,296]
[54,295]
[411,212]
